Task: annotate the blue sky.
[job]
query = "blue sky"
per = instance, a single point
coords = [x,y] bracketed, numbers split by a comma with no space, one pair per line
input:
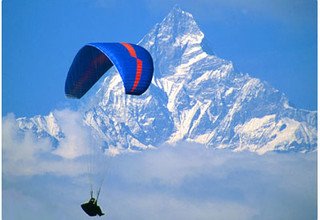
[272,40]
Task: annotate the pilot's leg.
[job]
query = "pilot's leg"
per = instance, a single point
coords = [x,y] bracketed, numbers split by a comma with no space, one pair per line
[99,211]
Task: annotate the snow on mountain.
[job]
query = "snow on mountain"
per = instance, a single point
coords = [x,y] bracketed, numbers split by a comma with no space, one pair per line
[195,96]
[42,126]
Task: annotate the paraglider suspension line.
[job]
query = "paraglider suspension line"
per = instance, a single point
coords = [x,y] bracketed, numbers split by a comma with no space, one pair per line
[91,191]
[99,189]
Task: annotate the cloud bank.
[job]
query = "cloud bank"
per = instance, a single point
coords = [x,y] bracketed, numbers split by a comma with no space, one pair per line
[182,182]
[192,182]
[77,141]
[24,154]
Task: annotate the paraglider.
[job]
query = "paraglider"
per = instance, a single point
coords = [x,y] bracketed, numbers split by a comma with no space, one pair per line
[133,63]
[92,208]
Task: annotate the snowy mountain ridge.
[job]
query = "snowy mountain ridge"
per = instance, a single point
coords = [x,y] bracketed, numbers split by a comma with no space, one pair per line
[196,97]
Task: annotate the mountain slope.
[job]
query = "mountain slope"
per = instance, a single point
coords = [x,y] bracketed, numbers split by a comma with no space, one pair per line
[195,96]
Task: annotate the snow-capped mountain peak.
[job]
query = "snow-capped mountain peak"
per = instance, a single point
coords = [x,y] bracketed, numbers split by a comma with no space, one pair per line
[180,27]
[195,96]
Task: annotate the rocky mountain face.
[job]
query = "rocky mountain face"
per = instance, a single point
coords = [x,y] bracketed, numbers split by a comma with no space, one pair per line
[195,96]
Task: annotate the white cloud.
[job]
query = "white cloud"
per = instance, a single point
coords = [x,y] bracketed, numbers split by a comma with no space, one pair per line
[183,182]
[191,182]
[77,141]
[25,154]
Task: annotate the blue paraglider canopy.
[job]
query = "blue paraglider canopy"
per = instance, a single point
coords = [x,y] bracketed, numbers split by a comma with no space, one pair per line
[133,62]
